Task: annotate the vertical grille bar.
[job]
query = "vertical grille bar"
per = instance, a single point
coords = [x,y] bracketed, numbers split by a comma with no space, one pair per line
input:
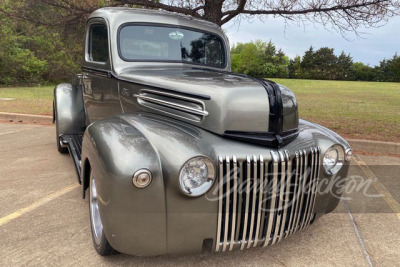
[227,202]
[303,185]
[311,189]
[246,212]
[235,185]
[301,190]
[279,210]
[294,197]
[317,167]
[220,193]
[309,178]
[260,201]
[254,200]
[287,193]
[240,200]
[271,209]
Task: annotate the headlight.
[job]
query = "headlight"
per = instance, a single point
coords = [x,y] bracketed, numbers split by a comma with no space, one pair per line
[197,176]
[333,159]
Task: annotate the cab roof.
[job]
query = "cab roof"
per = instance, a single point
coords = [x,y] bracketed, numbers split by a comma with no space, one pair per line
[116,16]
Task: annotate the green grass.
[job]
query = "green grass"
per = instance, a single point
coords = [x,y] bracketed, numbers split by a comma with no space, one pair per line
[366,110]
[31,100]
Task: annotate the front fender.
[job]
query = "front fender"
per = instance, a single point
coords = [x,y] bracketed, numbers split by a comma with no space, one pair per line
[69,113]
[134,219]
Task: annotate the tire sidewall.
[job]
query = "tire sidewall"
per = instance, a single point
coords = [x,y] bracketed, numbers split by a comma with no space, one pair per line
[103,248]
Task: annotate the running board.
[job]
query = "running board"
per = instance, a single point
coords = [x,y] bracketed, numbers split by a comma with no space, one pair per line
[74,144]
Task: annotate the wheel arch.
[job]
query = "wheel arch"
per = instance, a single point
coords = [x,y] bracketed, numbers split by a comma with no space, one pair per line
[113,151]
[86,169]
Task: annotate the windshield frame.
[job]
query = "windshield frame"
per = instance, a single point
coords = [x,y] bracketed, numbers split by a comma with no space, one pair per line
[122,26]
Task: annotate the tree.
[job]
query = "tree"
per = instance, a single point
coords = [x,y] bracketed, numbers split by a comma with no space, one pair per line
[344,67]
[248,58]
[307,63]
[362,72]
[294,68]
[342,15]
[390,69]
[259,59]
[32,53]
[270,51]
[18,65]
[325,64]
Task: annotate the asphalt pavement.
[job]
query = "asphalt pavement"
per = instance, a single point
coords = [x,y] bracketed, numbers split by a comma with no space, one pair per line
[45,221]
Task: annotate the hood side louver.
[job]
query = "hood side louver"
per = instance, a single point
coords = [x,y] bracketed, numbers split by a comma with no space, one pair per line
[173,104]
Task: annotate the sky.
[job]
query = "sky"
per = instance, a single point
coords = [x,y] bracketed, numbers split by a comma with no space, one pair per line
[373,46]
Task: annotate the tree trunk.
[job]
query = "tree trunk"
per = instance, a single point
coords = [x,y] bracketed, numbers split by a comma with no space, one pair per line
[213,11]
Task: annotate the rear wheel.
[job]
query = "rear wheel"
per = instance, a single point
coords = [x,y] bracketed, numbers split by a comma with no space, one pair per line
[100,241]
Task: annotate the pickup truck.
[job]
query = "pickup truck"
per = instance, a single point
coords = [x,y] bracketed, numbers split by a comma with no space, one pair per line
[178,154]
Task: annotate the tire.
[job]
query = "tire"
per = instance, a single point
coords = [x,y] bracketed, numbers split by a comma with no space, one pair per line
[100,241]
[60,148]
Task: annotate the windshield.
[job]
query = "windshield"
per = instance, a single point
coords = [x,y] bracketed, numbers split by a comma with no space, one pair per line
[159,43]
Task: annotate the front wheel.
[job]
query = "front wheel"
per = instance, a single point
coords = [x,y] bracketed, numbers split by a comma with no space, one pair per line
[100,241]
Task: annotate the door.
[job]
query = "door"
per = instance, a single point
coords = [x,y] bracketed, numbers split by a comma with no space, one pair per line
[98,87]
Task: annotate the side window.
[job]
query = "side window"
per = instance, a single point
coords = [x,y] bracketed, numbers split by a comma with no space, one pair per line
[98,43]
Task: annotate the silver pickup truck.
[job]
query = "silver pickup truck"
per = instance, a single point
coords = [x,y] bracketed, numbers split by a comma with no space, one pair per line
[180,155]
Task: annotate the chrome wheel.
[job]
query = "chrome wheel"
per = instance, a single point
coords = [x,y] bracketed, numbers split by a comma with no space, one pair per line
[97,226]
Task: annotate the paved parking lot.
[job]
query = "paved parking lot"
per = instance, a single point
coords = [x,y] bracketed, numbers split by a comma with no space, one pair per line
[44,220]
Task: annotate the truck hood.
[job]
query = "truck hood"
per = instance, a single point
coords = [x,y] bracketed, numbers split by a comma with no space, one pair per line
[224,103]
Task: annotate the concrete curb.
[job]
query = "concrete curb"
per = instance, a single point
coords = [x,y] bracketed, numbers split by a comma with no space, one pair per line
[375,146]
[17,117]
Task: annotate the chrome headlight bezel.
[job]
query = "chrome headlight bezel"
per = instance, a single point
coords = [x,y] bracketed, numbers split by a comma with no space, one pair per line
[332,165]
[209,180]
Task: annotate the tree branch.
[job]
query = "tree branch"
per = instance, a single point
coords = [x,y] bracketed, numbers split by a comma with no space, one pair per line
[227,16]
[310,10]
[156,4]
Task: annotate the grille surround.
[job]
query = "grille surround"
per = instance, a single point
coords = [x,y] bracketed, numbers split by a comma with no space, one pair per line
[260,202]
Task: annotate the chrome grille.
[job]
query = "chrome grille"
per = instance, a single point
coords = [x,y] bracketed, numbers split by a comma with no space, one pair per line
[261,202]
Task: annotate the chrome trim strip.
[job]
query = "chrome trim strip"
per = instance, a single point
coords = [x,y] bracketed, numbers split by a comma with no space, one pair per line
[316,163]
[311,187]
[235,185]
[300,219]
[247,203]
[309,173]
[178,94]
[227,202]
[314,186]
[300,194]
[287,193]
[317,168]
[173,105]
[279,211]
[260,200]
[271,212]
[220,196]
[294,199]
[254,200]
[240,201]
